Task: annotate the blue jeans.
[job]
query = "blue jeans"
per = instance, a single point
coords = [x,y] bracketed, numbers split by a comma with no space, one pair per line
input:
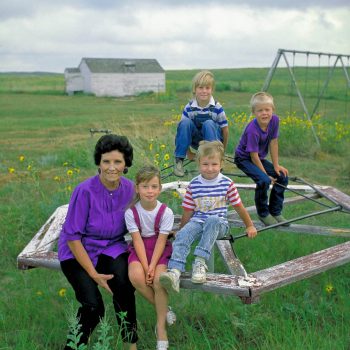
[264,207]
[207,233]
[189,135]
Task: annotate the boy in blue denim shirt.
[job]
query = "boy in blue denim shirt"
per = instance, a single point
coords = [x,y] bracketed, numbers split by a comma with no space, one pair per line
[205,216]
[203,118]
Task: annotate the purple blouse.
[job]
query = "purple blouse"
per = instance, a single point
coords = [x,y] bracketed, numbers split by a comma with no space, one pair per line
[254,139]
[96,217]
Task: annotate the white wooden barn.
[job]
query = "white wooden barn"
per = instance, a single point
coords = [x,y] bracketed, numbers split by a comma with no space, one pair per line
[115,77]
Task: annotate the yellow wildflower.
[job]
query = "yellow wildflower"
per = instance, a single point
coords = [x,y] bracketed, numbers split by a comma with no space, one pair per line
[62,292]
[329,288]
[29,167]
[69,188]
[65,164]
[175,194]
[162,146]
[11,170]
[69,172]
[166,156]
[56,178]
[150,146]
[21,158]
[39,293]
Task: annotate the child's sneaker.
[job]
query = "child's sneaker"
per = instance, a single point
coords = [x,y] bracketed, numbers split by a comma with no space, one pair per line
[161,344]
[170,316]
[281,219]
[170,281]
[268,220]
[179,168]
[199,272]
[191,153]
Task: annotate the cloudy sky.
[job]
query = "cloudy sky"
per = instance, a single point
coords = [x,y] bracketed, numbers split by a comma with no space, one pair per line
[44,35]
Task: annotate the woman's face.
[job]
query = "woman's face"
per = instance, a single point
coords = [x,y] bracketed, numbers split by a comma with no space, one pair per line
[112,165]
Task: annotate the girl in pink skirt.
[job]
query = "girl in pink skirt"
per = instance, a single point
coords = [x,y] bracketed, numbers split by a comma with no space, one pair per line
[149,222]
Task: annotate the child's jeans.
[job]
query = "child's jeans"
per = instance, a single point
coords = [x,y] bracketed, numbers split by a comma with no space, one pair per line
[207,233]
[189,135]
[263,206]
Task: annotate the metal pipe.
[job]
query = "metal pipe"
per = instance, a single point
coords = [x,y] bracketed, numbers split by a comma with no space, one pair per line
[232,238]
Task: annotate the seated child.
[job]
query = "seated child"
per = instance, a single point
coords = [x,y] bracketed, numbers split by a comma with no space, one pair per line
[260,135]
[149,223]
[202,119]
[205,216]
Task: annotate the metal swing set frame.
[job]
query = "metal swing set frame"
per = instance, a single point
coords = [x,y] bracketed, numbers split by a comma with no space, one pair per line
[40,252]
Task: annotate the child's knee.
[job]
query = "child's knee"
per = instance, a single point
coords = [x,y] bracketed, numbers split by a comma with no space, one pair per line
[264,182]
[184,124]
[283,180]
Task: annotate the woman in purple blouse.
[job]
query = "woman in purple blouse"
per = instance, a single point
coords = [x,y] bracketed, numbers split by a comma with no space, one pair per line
[92,249]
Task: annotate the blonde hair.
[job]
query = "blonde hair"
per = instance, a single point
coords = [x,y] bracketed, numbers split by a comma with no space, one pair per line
[145,174]
[261,98]
[210,149]
[203,78]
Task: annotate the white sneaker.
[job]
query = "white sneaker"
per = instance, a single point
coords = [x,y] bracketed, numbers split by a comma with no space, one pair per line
[170,281]
[170,316]
[179,169]
[199,272]
[162,345]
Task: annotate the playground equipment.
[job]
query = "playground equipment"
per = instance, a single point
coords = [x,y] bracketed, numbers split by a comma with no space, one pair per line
[334,61]
[39,252]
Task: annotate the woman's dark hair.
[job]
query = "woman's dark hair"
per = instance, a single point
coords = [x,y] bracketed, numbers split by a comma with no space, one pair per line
[111,142]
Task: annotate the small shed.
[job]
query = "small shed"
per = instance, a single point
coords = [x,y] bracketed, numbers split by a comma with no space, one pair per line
[74,80]
[117,76]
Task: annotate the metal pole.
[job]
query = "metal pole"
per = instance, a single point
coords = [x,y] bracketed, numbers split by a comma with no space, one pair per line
[301,98]
[233,238]
[271,71]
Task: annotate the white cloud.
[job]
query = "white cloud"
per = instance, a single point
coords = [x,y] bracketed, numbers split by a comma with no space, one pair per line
[221,34]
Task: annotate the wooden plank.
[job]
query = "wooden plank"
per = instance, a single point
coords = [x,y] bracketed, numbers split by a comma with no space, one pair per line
[245,186]
[48,234]
[302,229]
[48,260]
[300,268]
[336,196]
[230,258]
[287,201]
[216,283]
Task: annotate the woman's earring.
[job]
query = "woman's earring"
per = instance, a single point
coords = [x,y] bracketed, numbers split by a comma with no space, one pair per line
[125,171]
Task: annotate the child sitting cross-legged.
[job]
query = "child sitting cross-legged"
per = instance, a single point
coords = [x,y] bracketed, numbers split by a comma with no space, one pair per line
[205,216]
[203,118]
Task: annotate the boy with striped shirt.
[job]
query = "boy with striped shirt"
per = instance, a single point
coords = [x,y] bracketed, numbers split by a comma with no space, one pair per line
[205,216]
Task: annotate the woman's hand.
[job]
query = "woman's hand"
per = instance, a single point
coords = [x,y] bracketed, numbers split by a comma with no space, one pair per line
[101,280]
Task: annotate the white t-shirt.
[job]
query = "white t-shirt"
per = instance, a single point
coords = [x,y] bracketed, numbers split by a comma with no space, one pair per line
[147,220]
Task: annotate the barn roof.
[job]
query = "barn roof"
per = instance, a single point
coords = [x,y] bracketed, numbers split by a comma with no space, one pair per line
[72,70]
[123,65]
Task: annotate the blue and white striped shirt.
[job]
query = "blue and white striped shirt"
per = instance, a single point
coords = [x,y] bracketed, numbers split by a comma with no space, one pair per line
[210,197]
[213,109]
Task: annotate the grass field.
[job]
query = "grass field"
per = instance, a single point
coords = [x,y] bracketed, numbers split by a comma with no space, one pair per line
[46,149]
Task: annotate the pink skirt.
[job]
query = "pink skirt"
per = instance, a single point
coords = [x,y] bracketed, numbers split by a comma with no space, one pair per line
[150,243]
